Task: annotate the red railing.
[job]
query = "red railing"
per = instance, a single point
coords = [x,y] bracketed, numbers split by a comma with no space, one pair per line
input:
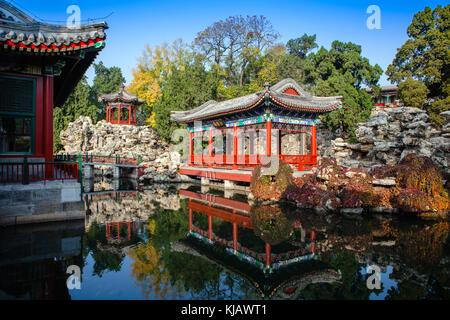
[303,162]
[25,172]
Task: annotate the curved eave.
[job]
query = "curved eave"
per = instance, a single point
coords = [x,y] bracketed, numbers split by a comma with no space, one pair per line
[307,106]
[121,99]
[97,44]
[239,109]
[303,104]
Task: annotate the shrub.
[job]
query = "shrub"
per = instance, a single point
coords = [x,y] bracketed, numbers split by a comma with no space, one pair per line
[412,200]
[271,187]
[418,173]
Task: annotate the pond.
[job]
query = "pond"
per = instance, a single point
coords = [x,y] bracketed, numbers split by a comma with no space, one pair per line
[187,242]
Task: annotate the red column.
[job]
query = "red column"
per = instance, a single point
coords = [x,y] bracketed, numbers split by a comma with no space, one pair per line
[120,107]
[268,257]
[268,138]
[235,236]
[48,122]
[210,147]
[191,148]
[210,227]
[235,149]
[314,144]
[129,114]
[190,218]
[279,142]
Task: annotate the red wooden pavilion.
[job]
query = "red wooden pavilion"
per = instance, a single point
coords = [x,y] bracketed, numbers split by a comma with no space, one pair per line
[246,131]
[121,108]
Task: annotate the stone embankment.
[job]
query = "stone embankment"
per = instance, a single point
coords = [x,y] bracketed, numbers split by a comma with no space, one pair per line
[103,138]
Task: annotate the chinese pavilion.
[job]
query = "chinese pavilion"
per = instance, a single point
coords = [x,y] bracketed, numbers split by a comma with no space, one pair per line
[243,132]
[121,108]
[40,65]
[387,98]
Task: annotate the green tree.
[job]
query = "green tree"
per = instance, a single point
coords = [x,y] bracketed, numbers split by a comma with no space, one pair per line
[188,87]
[425,56]
[301,46]
[107,80]
[342,70]
[412,92]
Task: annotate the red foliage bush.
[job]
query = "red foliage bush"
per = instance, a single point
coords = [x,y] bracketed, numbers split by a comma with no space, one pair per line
[412,200]
[419,173]
[311,196]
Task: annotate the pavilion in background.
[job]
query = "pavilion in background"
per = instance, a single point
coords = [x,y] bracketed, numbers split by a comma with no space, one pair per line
[121,108]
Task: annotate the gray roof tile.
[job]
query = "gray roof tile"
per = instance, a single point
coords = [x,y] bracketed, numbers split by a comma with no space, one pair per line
[304,102]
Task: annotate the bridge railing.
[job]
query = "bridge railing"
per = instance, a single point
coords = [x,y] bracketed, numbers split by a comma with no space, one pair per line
[95,158]
[25,172]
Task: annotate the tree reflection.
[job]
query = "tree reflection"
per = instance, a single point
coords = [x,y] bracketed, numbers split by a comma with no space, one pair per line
[163,273]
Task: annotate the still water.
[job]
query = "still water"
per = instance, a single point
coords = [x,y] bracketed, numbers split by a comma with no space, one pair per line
[183,242]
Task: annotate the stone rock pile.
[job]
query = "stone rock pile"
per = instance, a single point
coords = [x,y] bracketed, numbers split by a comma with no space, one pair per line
[391,135]
[109,139]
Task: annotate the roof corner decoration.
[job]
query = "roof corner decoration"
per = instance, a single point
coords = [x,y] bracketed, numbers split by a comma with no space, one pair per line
[286,94]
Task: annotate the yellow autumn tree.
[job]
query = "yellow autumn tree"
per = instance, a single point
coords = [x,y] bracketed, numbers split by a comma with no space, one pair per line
[153,70]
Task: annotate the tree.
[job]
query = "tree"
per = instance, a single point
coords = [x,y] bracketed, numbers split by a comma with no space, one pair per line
[232,44]
[425,56]
[188,87]
[356,104]
[107,80]
[412,92]
[153,70]
[342,71]
[301,46]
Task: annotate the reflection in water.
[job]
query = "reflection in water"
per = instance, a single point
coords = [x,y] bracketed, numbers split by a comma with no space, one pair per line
[162,243]
[34,259]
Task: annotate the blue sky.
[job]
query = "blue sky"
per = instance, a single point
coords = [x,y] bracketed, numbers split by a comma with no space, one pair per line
[135,23]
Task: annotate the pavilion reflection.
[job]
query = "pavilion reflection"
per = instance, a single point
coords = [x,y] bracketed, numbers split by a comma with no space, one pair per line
[241,238]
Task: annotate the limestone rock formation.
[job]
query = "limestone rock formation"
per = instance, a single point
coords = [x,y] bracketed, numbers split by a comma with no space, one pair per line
[108,139]
[391,135]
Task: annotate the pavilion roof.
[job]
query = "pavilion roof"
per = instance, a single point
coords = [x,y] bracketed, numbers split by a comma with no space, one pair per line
[121,96]
[296,99]
[65,52]
[20,32]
